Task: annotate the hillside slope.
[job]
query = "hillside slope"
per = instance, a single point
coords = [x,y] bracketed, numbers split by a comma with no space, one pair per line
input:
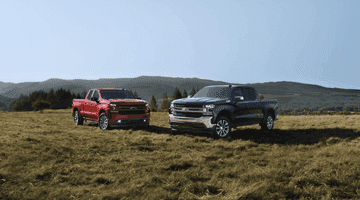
[291,95]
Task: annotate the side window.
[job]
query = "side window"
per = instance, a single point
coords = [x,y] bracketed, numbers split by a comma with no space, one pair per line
[238,92]
[96,94]
[249,94]
[89,96]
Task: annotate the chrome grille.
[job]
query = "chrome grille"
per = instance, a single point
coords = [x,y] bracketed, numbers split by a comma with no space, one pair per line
[193,110]
[188,105]
[188,114]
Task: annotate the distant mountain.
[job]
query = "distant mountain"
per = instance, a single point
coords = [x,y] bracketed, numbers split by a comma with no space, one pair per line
[291,95]
[142,85]
[4,85]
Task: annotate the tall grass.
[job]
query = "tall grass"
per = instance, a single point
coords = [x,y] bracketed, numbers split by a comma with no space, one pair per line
[45,156]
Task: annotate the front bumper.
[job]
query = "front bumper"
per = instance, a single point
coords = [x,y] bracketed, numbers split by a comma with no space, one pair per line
[129,122]
[188,123]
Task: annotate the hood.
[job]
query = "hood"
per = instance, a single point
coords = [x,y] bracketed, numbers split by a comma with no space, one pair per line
[125,101]
[200,100]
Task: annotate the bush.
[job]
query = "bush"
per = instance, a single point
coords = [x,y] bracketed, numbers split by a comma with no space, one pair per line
[40,105]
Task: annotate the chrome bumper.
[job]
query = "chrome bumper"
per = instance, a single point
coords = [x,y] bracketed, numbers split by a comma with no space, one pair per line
[204,121]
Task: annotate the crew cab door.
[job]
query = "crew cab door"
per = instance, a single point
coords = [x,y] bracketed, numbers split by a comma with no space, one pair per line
[93,114]
[241,109]
[87,104]
[255,109]
[247,111]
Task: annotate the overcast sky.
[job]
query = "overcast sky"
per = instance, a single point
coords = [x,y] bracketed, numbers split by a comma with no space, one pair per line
[243,41]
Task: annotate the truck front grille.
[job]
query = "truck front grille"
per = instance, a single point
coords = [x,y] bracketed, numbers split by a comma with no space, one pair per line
[188,114]
[131,112]
[193,110]
[188,106]
[137,107]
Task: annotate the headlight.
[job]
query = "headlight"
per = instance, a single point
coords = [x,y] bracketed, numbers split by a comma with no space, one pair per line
[112,104]
[210,106]
[206,110]
[171,109]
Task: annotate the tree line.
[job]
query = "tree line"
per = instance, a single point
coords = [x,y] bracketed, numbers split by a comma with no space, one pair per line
[40,100]
[62,99]
[166,101]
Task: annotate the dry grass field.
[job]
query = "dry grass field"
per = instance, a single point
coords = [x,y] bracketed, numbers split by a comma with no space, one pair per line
[45,156]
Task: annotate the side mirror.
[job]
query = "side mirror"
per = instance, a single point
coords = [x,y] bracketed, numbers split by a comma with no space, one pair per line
[239,98]
[94,99]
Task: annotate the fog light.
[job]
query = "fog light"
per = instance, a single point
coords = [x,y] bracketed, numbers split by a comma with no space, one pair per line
[144,120]
[119,121]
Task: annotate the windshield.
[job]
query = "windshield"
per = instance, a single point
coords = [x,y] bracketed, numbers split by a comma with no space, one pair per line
[116,94]
[214,92]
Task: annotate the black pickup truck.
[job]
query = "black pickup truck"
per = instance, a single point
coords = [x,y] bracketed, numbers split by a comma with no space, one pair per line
[219,108]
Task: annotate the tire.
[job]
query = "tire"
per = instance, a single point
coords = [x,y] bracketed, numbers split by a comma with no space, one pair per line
[222,128]
[77,118]
[268,124]
[104,122]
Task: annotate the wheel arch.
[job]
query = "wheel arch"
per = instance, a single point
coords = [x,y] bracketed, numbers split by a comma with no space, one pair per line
[76,109]
[103,111]
[224,113]
[271,112]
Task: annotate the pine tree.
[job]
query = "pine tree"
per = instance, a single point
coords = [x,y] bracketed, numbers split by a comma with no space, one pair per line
[84,93]
[23,104]
[177,94]
[131,92]
[153,104]
[185,94]
[166,103]
[192,91]
[59,99]
[41,95]
[50,97]
[67,99]
[197,90]
[135,95]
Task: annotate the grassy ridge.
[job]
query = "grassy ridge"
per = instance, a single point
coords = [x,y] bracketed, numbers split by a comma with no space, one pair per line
[45,156]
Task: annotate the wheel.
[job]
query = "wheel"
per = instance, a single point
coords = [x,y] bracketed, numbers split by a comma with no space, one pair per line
[103,122]
[268,123]
[78,119]
[222,128]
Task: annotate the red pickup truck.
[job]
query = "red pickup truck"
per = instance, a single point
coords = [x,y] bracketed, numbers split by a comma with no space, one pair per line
[111,107]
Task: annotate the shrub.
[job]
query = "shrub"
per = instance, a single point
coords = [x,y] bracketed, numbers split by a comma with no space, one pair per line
[40,105]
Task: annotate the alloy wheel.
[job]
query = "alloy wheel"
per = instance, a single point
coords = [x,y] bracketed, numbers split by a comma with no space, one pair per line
[270,122]
[76,118]
[103,122]
[222,128]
